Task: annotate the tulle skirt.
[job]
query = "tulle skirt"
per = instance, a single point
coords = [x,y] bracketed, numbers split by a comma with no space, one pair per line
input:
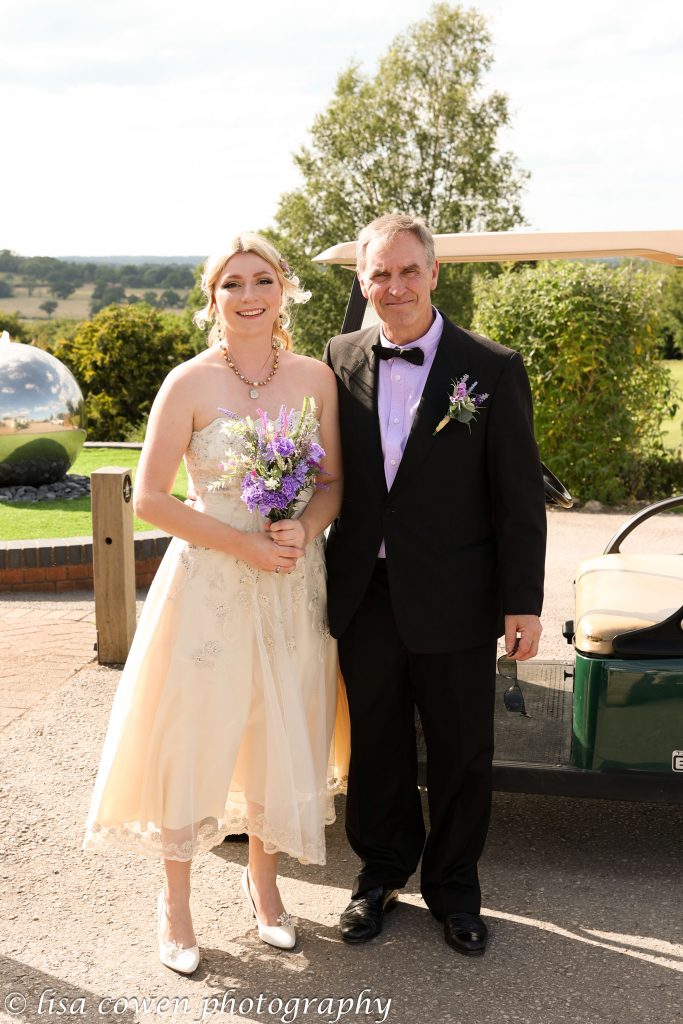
[229,717]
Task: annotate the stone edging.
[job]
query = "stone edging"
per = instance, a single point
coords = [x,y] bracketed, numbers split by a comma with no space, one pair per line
[66,563]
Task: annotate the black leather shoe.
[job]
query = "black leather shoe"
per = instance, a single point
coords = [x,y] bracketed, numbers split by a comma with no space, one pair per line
[362,919]
[466,932]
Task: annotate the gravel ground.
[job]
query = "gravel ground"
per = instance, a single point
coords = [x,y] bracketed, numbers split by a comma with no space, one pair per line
[583,897]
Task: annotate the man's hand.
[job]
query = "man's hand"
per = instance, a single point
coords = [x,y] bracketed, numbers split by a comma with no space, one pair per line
[522,635]
[262,552]
[288,533]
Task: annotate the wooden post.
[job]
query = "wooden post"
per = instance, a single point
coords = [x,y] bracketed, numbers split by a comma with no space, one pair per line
[113,563]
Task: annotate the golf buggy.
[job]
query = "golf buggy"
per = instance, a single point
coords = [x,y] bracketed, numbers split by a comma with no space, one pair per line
[609,722]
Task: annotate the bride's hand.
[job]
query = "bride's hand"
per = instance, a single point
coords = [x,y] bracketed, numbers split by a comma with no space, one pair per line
[288,533]
[262,552]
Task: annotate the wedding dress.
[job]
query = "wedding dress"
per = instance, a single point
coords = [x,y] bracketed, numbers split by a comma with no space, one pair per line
[224,718]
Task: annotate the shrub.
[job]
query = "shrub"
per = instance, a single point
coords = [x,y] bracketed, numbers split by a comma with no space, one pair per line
[672,313]
[120,359]
[14,325]
[588,335]
[54,335]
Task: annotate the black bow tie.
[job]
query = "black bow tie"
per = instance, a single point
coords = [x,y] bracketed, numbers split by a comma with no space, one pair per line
[411,355]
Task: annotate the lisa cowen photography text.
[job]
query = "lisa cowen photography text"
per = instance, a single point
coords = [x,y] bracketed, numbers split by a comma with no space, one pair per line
[49,1003]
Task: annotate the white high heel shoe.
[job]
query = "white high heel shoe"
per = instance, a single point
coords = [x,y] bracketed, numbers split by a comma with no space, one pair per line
[280,935]
[183,959]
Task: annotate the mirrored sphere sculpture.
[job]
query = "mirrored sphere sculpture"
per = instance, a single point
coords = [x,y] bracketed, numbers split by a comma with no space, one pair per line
[41,416]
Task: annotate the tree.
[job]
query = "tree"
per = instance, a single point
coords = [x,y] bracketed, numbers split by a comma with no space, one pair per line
[120,358]
[169,298]
[6,290]
[61,287]
[54,335]
[420,136]
[49,306]
[588,334]
[672,318]
[196,338]
[105,295]
[9,261]
[15,327]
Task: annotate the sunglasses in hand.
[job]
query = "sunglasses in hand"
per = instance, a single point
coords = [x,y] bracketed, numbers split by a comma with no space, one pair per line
[513,698]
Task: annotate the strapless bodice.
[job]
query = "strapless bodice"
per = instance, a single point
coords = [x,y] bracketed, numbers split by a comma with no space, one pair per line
[207,451]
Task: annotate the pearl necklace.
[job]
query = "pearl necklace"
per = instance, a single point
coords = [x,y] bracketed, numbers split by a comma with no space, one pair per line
[254,385]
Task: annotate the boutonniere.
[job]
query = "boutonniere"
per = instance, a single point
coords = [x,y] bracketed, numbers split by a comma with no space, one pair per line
[462,404]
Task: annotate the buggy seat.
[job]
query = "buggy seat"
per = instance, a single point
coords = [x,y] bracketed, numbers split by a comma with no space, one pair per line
[618,593]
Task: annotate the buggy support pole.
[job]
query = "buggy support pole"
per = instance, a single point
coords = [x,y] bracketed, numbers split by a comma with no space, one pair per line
[113,563]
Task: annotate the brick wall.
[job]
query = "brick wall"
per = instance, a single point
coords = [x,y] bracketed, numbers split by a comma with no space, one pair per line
[66,564]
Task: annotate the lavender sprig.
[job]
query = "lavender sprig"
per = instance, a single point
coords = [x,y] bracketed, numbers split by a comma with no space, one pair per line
[463,404]
[279,459]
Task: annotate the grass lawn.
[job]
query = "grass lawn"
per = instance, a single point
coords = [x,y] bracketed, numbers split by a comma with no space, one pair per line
[43,519]
[673,429]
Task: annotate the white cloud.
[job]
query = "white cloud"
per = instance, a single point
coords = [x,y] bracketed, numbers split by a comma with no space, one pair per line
[148,127]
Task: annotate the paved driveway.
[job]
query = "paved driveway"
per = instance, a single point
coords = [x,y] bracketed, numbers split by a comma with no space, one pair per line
[583,897]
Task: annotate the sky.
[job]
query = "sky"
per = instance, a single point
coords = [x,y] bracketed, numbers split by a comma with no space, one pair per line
[162,127]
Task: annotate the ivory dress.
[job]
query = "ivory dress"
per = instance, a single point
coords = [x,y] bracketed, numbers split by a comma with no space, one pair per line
[224,718]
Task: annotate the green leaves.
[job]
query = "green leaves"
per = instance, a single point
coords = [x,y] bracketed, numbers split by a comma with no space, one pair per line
[589,336]
[419,136]
[120,359]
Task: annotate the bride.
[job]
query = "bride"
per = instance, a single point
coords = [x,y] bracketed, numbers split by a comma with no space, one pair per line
[224,716]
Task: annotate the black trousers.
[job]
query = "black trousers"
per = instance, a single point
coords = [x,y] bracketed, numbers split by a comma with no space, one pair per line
[454,694]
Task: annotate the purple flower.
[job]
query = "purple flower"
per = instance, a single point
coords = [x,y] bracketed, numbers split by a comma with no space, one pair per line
[283,446]
[462,404]
[300,473]
[264,487]
[290,486]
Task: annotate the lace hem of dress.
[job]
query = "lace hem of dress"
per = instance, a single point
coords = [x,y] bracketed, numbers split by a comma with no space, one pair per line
[204,835]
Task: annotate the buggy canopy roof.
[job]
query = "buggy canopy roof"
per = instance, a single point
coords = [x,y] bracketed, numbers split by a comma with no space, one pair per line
[495,246]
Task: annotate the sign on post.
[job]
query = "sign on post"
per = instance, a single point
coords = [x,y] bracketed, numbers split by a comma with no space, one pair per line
[113,562]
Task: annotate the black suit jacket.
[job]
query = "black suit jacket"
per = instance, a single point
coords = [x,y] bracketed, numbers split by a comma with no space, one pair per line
[464,523]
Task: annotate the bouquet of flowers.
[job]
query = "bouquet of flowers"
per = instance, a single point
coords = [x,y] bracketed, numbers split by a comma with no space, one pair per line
[280,458]
[463,403]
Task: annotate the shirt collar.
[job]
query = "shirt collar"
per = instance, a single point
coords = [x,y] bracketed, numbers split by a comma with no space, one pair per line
[427,342]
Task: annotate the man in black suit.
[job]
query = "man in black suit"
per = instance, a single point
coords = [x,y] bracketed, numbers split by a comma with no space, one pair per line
[438,550]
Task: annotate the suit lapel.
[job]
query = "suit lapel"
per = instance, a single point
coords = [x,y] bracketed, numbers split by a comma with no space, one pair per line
[451,361]
[362,382]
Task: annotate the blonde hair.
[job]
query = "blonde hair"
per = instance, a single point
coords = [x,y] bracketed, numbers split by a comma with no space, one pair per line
[249,241]
[388,227]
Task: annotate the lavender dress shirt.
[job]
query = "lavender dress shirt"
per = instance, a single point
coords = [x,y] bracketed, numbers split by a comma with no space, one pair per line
[400,388]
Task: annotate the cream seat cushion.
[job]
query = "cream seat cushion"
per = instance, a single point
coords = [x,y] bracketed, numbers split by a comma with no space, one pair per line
[619,593]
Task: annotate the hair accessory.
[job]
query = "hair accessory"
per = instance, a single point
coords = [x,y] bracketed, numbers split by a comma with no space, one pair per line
[284,265]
